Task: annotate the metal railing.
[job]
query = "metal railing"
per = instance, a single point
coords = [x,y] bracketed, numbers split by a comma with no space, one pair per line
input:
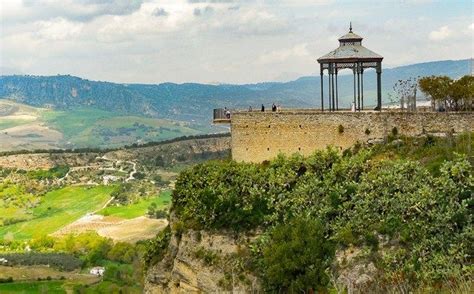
[221,115]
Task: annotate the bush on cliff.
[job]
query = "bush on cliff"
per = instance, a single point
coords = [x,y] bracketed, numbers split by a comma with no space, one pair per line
[359,198]
[297,256]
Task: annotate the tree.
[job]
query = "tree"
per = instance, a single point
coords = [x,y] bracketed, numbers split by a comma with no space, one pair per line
[453,95]
[462,93]
[152,209]
[297,256]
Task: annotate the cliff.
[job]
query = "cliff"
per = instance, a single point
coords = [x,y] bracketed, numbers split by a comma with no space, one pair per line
[202,262]
[166,153]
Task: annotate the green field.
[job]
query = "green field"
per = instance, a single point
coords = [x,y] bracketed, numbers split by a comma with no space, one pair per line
[33,287]
[138,209]
[90,127]
[10,123]
[85,127]
[59,208]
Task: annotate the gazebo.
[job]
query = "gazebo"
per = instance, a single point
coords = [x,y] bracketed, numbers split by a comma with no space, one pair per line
[350,54]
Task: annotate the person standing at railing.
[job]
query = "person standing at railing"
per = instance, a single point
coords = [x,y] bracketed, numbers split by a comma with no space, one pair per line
[263,108]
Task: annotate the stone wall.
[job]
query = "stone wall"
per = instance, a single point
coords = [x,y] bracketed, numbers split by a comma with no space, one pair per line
[259,136]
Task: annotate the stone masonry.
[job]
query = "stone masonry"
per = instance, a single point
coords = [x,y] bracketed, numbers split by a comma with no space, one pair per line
[259,136]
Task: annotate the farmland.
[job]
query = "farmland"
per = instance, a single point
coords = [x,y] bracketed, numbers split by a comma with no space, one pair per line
[139,208]
[95,208]
[57,209]
[28,127]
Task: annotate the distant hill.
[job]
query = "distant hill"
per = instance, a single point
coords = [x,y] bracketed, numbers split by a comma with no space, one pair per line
[194,102]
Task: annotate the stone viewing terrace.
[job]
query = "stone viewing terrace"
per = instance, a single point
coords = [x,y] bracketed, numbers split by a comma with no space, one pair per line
[258,136]
[220,116]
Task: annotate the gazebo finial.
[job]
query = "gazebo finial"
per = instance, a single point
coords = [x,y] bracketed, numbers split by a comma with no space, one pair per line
[350,27]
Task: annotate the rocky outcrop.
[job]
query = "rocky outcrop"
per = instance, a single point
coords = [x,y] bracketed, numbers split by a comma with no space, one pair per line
[170,153]
[202,262]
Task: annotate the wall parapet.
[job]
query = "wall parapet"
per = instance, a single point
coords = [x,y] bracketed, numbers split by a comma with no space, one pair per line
[259,136]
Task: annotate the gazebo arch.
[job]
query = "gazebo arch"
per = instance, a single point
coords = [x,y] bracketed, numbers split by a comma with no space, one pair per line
[352,55]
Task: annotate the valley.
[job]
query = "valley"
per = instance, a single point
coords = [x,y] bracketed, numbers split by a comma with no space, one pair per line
[113,198]
[24,127]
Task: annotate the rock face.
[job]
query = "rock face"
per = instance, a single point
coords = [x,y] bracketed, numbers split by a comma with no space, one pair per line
[183,150]
[201,262]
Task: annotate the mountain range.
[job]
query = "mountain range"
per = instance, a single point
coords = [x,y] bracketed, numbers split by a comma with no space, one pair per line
[194,102]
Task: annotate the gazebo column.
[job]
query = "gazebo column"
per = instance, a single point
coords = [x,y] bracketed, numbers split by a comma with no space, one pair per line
[329,86]
[337,95]
[379,86]
[354,71]
[358,87]
[332,87]
[362,85]
[322,86]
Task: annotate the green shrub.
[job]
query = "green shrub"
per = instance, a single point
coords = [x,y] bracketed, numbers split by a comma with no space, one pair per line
[394,131]
[340,129]
[155,248]
[209,257]
[297,257]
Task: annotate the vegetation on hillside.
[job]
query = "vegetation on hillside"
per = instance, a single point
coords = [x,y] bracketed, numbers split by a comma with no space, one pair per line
[109,149]
[57,209]
[122,261]
[408,210]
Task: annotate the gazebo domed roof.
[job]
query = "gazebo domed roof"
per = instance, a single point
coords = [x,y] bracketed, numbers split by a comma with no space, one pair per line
[350,36]
[350,50]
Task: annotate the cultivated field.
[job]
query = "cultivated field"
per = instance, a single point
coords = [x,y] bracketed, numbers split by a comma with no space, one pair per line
[27,127]
[57,209]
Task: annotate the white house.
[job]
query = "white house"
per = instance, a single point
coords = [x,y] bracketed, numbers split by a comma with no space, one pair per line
[97,271]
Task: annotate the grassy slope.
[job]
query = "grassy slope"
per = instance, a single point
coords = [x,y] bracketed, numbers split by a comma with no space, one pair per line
[58,208]
[17,114]
[13,211]
[140,208]
[88,127]
[33,287]
[91,127]
[10,123]
[430,152]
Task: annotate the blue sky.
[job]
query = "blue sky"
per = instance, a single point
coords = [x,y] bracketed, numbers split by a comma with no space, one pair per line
[241,41]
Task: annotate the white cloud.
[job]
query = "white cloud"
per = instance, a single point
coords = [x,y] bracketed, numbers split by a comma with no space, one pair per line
[76,10]
[237,41]
[282,55]
[58,29]
[440,34]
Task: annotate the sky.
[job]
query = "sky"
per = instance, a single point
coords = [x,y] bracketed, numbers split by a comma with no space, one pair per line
[221,41]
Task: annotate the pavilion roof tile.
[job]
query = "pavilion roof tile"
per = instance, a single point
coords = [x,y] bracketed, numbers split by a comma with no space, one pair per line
[350,52]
